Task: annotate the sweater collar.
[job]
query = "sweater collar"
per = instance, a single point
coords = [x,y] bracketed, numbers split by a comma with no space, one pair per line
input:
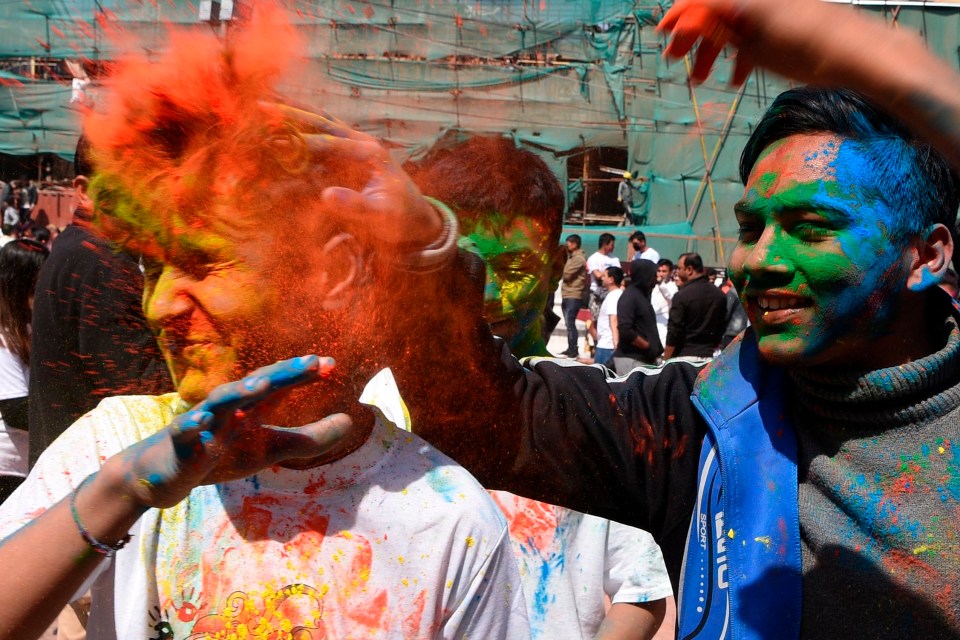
[911,393]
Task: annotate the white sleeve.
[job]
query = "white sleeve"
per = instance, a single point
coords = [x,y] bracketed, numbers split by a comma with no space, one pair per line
[634,569]
[492,605]
[592,263]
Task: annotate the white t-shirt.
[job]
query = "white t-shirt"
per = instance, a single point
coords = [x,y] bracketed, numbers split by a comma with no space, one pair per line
[661,298]
[569,560]
[10,216]
[392,541]
[648,254]
[599,261]
[607,309]
[14,443]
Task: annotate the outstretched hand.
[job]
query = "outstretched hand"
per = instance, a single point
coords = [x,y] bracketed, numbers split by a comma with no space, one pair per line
[806,40]
[374,195]
[222,439]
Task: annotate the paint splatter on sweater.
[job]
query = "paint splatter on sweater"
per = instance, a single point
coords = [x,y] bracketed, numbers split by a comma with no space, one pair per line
[879,467]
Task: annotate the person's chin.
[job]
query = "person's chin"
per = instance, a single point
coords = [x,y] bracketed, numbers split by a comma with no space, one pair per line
[783,350]
[195,385]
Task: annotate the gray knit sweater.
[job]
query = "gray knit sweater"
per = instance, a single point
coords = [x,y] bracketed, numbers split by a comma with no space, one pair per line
[879,472]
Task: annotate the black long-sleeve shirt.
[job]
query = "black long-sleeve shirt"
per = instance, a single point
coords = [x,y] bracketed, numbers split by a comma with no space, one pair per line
[698,317]
[636,317]
[90,339]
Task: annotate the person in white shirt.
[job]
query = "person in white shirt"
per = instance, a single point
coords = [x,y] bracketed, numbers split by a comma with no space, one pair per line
[597,264]
[639,250]
[606,327]
[662,296]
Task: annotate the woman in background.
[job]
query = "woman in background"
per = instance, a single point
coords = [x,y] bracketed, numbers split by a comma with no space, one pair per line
[20,263]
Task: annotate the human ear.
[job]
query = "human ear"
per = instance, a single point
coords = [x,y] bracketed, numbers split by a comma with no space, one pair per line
[930,258]
[343,266]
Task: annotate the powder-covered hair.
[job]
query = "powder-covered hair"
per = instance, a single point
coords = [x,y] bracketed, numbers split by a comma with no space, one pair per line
[490,175]
[191,140]
[913,177]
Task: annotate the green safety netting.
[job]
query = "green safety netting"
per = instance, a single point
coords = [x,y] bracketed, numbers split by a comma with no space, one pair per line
[558,76]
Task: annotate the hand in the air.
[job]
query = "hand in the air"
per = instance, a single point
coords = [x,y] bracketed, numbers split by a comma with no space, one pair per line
[806,40]
[370,192]
[221,438]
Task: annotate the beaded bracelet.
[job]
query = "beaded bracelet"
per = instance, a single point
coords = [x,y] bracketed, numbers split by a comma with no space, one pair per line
[100,547]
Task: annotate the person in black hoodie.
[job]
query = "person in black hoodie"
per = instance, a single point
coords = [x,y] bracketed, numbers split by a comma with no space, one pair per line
[636,321]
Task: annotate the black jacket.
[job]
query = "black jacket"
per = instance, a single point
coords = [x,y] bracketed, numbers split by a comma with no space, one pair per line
[698,318]
[89,337]
[635,314]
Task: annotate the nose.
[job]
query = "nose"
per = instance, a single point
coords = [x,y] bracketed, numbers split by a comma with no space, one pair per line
[167,297]
[765,257]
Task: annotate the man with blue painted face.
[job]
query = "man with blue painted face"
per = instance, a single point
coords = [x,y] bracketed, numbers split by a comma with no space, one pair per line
[813,483]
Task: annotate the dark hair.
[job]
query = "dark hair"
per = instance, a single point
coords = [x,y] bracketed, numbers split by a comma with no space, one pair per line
[692,260]
[82,162]
[664,261]
[605,239]
[575,239]
[42,235]
[643,276]
[20,262]
[638,235]
[487,175]
[914,178]
[616,273]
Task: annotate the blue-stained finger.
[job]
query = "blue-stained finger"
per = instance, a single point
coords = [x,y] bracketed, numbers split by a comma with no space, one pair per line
[187,433]
[292,371]
[262,383]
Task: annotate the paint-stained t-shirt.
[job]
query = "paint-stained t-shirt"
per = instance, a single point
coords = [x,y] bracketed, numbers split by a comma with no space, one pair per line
[569,561]
[392,541]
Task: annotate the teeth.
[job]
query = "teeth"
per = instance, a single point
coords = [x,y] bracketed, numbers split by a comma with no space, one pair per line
[775,304]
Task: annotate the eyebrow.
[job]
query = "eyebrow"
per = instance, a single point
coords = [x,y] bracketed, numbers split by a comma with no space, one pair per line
[828,207]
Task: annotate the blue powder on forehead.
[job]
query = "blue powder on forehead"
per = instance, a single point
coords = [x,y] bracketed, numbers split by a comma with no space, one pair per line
[886,172]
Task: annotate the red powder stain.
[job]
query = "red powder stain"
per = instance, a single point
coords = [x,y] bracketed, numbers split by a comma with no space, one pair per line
[782,532]
[411,624]
[368,12]
[904,563]
[903,484]
[315,486]
[532,523]
[371,613]
[254,521]
[643,440]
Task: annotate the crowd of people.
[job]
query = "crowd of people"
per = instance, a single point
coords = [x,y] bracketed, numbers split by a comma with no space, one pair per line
[321,462]
[22,215]
[658,311]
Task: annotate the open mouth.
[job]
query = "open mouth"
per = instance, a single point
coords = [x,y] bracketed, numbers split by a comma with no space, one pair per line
[775,309]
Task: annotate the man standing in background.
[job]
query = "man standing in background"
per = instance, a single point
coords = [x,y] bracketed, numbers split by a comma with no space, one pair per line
[698,314]
[572,289]
[90,339]
[597,264]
